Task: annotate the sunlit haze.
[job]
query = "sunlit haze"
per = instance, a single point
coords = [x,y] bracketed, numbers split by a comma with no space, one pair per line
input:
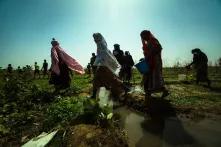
[27,26]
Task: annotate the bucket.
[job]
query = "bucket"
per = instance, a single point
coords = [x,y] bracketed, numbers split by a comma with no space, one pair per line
[142,67]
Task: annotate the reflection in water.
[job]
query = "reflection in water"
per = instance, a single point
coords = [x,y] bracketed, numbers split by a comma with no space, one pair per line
[164,123]
[162,127]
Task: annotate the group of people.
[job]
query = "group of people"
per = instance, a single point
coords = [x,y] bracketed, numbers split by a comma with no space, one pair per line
[105,64]
[44,69]
[91,66]
[37,72]
[126,62]
[124,59]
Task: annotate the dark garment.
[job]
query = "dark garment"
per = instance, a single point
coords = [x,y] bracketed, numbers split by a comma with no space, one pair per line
[89,69]
[63,80]
[45,72]
[128,64]
[202,73]
[153,81]
[9,69]
[125,73]
[93,58]
[19,71]
[37,71]
[128,60]
[119,55]
[45,66]
[200,64]
[128,71]
[105,78]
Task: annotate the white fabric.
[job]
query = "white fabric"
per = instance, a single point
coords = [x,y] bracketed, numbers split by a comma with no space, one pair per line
[104,56]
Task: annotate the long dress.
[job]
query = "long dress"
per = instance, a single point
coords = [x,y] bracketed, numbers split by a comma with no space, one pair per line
[153,81]
[107,66]
[200,63]
[61,66]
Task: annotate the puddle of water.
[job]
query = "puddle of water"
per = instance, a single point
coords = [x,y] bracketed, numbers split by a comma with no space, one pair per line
[163,128]
[168,131]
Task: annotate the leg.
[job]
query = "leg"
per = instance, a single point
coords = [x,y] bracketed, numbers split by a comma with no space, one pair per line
[147,99]
[146,89]
[165,92]
[97,81]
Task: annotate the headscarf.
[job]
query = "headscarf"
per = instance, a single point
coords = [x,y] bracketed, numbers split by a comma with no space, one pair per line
[104,56]
[57,54]
[151,47]
[196,50]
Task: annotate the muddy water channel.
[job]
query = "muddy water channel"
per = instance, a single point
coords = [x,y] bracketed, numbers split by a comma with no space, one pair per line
[163,127]
[157,131]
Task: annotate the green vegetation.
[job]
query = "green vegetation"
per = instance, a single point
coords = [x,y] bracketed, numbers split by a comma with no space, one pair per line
[185,96]
[30,106]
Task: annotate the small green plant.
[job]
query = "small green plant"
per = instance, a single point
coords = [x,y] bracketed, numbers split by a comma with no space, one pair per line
[64,110]
[78,109]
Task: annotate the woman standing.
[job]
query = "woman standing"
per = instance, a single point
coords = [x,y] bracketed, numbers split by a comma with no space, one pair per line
[153,80]
[61,65]
[106,65]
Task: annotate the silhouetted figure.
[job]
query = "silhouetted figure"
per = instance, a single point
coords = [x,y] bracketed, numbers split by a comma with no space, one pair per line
[45,68]
[153,80]
[128,64]
[89,69]
[92,60]
[19,70]
[106,67]
[200,61]
[219,62]
[119,55]
[37,70]
[9,69]
[61,65]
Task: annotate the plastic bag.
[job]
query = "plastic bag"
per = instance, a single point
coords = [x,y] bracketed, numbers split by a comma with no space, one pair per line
[103,96]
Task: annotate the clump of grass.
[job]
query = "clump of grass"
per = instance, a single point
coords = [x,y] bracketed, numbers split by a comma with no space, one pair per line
[78,109]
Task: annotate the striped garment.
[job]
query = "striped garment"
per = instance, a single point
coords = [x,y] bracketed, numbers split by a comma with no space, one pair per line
[57,53]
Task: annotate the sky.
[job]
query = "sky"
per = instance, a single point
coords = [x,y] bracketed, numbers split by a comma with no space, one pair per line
[27,26]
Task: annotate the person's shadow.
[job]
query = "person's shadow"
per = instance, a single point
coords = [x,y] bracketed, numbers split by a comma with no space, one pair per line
[162,127]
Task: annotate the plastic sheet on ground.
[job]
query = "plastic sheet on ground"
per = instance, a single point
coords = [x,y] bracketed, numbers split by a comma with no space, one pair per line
[40,141]
[103,96]
[137,89]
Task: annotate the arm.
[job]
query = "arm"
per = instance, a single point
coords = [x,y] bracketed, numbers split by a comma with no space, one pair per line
[195,58]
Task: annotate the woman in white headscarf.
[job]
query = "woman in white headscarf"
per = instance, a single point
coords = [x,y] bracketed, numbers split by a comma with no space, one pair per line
[107,66]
